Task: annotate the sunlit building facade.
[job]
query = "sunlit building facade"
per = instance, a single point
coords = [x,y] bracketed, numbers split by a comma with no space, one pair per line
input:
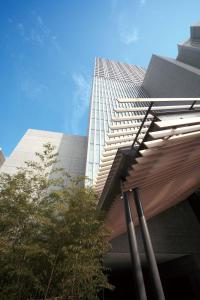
[112,159]
[71,151]
[111,80]
[171,202]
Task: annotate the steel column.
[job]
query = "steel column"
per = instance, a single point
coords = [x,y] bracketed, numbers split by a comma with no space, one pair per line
[159,294]
[136,265]
[143,121]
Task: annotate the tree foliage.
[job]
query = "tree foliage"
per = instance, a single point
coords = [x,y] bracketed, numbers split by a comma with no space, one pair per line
[52,238]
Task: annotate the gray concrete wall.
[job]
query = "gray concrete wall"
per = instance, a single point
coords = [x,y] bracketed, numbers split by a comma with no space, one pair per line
[72,151]
[2,158]
[189,54]
[167,77]
[195,31]
[189,51]
[174,233]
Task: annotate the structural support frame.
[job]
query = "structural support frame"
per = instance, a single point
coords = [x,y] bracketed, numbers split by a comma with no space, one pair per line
[155,276]
[136,264]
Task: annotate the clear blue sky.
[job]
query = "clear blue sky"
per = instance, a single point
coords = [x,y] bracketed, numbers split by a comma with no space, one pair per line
[47,51]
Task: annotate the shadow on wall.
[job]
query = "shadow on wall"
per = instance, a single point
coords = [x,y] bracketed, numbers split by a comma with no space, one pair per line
[72,152]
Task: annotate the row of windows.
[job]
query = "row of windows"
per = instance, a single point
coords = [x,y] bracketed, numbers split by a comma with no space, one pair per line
[104,94]
[113,89]
[118,71]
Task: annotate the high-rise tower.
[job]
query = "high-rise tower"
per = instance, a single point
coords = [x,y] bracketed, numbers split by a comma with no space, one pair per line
[111,80]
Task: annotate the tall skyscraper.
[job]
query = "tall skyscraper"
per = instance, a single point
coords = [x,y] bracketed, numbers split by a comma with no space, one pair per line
[113,124]
[174,230]
[111,80]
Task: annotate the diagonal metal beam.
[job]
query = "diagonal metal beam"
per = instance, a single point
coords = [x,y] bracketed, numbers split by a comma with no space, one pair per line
[136,264]
[155,276]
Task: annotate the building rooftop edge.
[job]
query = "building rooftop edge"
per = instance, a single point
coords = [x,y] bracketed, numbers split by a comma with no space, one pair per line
[118,61]
[54,132]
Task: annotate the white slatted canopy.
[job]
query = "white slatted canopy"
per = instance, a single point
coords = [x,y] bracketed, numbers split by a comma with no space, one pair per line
[166,167]
[127,121]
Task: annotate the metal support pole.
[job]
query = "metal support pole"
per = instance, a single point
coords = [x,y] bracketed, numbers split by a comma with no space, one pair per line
[143,121]
[159,294]
[193,104]
[137,270]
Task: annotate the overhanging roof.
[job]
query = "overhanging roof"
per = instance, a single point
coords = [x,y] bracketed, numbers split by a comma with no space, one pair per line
[125,127]
[165,167]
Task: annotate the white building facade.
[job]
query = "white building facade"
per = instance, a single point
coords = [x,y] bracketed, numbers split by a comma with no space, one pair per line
[111,80]
[71,151]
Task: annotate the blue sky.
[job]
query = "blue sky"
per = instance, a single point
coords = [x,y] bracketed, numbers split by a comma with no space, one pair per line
[47,51]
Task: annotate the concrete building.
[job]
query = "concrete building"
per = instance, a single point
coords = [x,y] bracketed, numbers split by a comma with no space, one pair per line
[72,151]
[2,158]
[180,77]
[113,126]
[111,80]
[174,230]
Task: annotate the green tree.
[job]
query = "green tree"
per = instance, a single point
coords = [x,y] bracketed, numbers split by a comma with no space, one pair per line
[52,238]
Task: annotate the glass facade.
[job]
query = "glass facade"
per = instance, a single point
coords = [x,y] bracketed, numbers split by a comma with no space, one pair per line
[111,80]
